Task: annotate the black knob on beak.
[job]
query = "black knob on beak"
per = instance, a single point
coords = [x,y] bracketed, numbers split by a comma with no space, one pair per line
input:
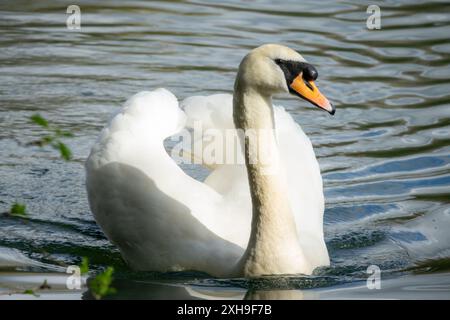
[310,73]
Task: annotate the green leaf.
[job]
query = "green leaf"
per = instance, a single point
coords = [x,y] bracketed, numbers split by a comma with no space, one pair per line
[46,140]
[28,291]
[67,134]
[18,209]
[100,286]
[42,142]
[38,119]
[53,137]
[62,133]
[84,266]
[64,150]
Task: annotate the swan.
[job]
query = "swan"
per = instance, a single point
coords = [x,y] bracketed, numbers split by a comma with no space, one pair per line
[245,219]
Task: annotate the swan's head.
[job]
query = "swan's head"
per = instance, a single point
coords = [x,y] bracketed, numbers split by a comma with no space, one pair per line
[272,69]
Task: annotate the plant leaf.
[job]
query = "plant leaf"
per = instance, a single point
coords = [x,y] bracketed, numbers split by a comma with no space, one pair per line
[84,266]
[100,286]
[63,133]
[47,139]
[18,209]
[38,119]
[64,150]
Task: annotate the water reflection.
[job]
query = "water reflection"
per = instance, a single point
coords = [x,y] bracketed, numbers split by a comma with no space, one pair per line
[277,295]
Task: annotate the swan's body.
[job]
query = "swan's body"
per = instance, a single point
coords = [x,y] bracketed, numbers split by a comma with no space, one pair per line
[162,219]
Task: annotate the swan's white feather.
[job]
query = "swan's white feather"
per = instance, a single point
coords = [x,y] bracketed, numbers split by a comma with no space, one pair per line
[162,219]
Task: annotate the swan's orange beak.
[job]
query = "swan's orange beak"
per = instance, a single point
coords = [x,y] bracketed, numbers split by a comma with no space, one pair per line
[308,91]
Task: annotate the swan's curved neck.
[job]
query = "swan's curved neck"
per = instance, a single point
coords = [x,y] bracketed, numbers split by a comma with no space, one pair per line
[273,246]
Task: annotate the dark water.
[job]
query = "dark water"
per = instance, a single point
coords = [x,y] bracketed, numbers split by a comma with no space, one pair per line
[385,155]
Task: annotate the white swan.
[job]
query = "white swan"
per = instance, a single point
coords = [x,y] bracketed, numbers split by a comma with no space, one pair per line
[236,223]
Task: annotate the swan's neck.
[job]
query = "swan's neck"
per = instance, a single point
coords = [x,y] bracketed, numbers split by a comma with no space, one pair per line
[273,246]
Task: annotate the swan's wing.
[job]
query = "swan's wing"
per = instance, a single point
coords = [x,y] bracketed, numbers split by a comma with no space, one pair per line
[159,217]
[296,152]
[305,185]
[211,121]
[214,111]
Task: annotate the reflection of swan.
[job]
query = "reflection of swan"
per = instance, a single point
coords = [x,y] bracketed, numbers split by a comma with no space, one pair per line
[278,295]
[162,219]
[251,294]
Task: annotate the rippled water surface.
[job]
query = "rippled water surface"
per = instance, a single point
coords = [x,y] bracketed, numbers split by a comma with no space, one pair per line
[385,155]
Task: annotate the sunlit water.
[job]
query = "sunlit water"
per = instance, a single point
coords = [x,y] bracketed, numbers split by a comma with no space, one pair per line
[385,155]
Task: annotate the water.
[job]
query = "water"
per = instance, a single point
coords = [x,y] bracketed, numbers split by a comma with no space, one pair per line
[385,155]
